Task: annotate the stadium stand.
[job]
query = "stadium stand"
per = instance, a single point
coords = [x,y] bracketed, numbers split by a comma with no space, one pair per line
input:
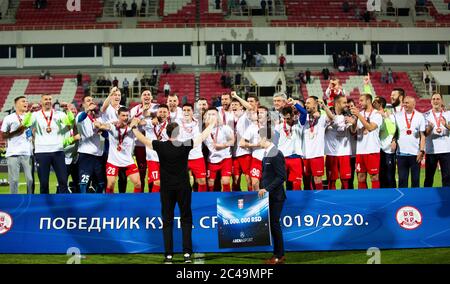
[210,86]
[181,84]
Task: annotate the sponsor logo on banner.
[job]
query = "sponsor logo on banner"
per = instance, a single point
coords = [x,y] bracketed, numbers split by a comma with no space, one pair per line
[409,218]
[5,222]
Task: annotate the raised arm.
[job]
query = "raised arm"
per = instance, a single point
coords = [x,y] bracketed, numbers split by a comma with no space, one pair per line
[242,101]
[107,102]
[139,136]
[202,137]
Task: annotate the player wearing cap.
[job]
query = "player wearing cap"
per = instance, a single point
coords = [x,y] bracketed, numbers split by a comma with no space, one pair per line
[19,146]
[139,149]
[121,147]
[219,143]
[437,142]
[367,128]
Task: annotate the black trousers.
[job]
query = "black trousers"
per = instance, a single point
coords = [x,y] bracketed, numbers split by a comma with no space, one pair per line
[275,208]
[352,177]
[407,165]
[431,162]
[122,182]
[387,173]
[57,161]
[168,200]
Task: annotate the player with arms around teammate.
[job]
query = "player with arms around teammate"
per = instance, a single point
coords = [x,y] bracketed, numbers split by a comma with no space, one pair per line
[121,147]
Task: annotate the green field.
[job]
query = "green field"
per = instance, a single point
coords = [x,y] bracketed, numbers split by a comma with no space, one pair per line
[404,256]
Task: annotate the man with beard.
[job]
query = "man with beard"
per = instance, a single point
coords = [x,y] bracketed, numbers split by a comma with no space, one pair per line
[225,113]
[279,102]
[48,126]
[397,96]
[438,142]
[90,148]
[367,127]
[411,143]
[174,110]
[338,145]
[138,111]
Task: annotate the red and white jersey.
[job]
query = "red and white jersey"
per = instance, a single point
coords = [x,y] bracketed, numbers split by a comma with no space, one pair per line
[253,137]
[240,126]
[438,141]
[314,136]
[190,131]
[289,138]
[409,137]
[155,132]
[337,137]
[368,142]
[226,117]
[138,112]
[124,156]
[219,135]
[174,116]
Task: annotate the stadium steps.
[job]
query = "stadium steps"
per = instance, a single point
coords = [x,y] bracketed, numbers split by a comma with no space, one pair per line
[441,6]
[175,6]
[210,85]
[17,89]
[12,10]
[419,86]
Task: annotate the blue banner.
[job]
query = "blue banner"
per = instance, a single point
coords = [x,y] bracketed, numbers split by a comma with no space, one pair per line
[243,221]
[311,220]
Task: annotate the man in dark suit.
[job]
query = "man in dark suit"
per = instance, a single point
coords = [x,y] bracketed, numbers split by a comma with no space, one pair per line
[272,181]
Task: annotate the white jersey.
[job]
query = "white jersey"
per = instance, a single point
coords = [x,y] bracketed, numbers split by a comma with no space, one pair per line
[226,117]
[385,137]
[253,137]
[176,115]
[155,132]
[338,137]
[438,142]
[240,126]
[314,137]
[408,144]
[110,115]
[91,141]
[137,112]
[368,142]
[19,145]
[219,135]
[45,142]
[288,139]
[190,131]
[124,157]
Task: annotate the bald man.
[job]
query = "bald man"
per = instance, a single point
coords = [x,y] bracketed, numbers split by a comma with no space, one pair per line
[411,143]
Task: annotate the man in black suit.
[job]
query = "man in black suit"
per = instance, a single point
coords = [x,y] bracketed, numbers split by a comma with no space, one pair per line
[272,181]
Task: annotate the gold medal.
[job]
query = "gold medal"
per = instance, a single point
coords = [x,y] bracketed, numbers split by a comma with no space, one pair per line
[439,130]
[48,129]
[119,148]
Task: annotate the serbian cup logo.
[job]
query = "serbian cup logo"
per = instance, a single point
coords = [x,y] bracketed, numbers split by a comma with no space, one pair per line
[409,217]
[5,223]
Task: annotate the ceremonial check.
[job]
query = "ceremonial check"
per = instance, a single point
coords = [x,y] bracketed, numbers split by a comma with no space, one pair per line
[243,221]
